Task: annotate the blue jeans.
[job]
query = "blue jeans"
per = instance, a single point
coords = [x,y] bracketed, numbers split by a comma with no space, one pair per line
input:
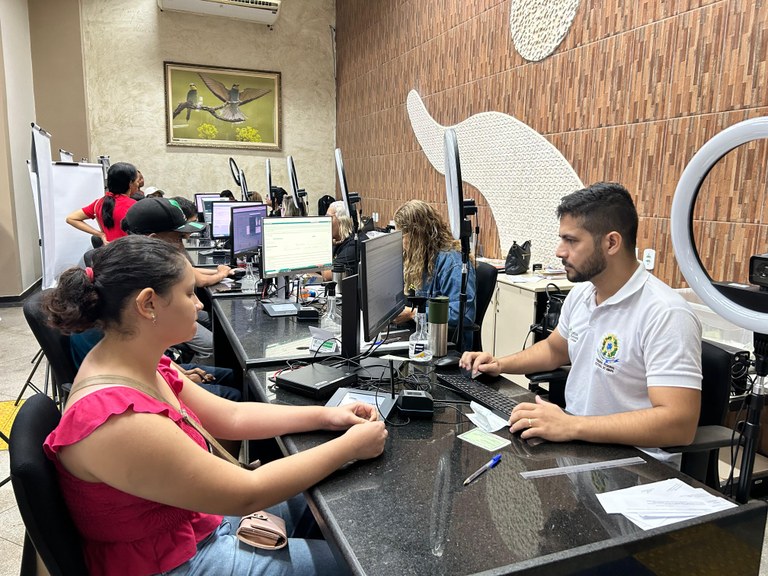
[224,381]
[222,554]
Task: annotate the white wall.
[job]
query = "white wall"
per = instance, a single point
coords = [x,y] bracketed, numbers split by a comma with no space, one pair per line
[125,43]
[20,112]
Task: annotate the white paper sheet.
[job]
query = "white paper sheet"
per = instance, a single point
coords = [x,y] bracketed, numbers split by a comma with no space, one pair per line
[661,503]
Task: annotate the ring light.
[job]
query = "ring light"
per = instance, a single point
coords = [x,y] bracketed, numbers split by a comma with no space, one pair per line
[682,216]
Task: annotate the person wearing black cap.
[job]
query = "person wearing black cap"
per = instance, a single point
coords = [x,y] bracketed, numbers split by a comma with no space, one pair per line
[165,219]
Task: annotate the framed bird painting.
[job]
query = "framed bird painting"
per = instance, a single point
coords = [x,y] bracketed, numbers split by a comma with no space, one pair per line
[216,107]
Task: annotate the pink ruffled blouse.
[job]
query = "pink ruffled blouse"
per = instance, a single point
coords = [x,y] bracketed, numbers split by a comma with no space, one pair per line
[125,534]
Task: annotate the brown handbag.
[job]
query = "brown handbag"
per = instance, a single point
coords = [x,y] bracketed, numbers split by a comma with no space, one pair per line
[263,530]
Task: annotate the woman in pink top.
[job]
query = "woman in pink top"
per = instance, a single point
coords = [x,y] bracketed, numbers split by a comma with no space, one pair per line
[143,490]
[110,209]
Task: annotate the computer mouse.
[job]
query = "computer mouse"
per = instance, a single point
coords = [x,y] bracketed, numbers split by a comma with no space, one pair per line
[447,362]
[237,273]
[467,372]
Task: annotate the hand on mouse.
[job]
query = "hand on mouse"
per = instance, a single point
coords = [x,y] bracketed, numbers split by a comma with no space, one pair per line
[343,417]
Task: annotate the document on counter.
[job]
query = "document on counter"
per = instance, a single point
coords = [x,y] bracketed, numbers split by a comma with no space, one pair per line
[484,440]
[662,503]
[485,419]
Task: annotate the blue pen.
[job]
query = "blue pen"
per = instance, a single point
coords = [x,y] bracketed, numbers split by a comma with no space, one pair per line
[492,463]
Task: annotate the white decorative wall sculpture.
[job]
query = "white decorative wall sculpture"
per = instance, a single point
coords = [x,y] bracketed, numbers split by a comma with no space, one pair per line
[520,174]
[538,26]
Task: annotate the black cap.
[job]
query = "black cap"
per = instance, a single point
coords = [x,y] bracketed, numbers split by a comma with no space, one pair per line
[154,215]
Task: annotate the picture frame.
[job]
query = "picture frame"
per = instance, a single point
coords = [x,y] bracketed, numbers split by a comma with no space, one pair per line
[202,109]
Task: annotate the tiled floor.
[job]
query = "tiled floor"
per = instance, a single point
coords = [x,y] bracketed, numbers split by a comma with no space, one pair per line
[17,348]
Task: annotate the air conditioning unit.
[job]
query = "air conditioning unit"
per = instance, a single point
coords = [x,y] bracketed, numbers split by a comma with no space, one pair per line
[260,11]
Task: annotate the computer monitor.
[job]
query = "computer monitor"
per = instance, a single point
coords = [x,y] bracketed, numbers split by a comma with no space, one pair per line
[349,198]
[268,169]
[221,217]
[245,228]
[297,193]
[202,196]
[296,245]
[382,288]
[208,207]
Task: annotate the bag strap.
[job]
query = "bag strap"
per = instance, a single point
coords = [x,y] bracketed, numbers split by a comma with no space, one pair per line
[214,446]
[555,292]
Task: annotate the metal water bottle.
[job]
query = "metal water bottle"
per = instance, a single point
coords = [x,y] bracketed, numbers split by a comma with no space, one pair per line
[438,325]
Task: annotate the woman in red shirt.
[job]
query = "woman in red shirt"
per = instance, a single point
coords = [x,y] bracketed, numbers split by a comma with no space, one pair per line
[143,490]
[110,209]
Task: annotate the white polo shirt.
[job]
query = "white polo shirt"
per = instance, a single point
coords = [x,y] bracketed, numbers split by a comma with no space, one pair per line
[644,335]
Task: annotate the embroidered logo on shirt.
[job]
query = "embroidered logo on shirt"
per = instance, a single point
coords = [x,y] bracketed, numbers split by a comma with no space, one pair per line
[608,354]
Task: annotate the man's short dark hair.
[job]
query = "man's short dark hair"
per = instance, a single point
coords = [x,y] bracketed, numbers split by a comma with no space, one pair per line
[603,207]
[186,205]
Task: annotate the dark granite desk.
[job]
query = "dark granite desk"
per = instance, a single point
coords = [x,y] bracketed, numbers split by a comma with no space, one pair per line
[245,336]
[408,513]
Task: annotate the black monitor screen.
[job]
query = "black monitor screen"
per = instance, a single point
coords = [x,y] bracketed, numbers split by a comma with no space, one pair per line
[204,196]
[246,228]
[221,217]
[382,289]
[296,245]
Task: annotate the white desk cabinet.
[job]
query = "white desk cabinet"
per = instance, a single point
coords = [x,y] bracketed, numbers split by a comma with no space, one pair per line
[513,308]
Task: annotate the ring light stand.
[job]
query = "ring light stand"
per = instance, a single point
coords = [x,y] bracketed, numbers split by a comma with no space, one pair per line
[461,227]
[297,193]
[239,178]
[733,302]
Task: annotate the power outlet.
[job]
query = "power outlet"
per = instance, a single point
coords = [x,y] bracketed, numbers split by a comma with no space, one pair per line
[375,216]
[649,258]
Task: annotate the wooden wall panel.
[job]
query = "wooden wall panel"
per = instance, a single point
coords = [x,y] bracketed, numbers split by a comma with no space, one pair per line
[632,92]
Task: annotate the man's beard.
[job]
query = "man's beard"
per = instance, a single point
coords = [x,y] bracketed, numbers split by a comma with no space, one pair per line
[589,270]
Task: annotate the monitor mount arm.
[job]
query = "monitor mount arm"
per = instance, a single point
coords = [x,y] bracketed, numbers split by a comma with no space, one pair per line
[468,209]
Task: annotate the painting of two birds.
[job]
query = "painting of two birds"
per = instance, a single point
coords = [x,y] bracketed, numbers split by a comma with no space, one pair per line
[220,107]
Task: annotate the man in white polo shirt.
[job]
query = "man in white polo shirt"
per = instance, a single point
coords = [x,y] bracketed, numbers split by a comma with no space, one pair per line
[633,343]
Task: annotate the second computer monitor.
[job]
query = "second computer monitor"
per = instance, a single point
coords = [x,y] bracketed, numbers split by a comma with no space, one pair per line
[296,245]
[245,227]
[221,217]
[382,289]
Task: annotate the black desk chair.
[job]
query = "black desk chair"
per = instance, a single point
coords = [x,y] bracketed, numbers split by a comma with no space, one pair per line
[49,526]
[55,345]
[88,255]
[700,458]
[96,241]
[485,282]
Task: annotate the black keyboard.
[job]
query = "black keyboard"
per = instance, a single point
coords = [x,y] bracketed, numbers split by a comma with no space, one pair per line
[480,393]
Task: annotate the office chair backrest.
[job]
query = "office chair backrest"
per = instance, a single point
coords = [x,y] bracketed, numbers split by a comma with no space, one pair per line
[55,345]
[323,203]
[97,242]
[485,282]
[88,256]
[41,504]
[715,384]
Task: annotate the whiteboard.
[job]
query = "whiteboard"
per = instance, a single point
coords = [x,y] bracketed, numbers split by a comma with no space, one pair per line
[73,186]
[59,189]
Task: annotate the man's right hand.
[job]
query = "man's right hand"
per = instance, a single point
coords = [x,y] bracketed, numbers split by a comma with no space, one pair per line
[480,362]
